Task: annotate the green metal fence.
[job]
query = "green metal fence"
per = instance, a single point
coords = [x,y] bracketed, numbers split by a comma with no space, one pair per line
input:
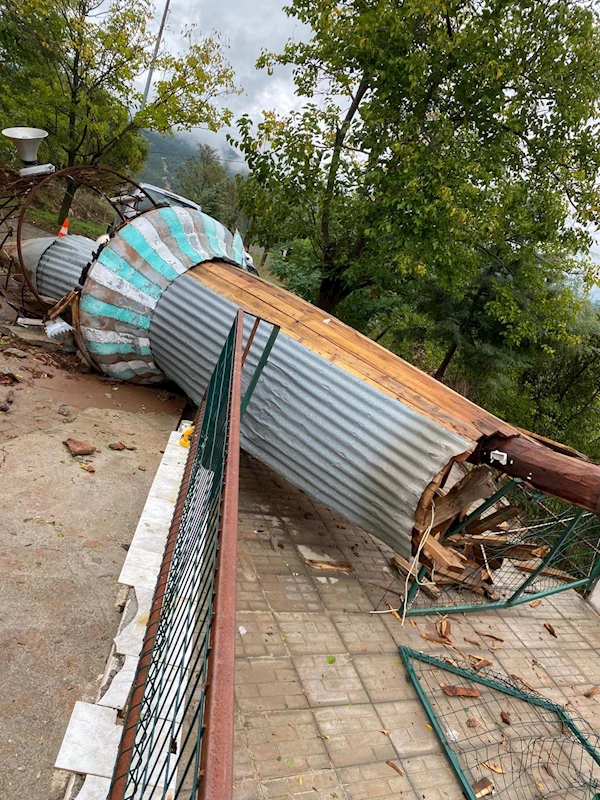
[501,738]
[178,733]
[547,547]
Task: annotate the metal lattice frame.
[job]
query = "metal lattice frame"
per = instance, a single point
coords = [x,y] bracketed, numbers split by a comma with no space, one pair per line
[548,547]
[178,734]
[501,739]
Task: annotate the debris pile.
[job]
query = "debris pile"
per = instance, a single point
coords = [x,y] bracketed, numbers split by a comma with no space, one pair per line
[478,540]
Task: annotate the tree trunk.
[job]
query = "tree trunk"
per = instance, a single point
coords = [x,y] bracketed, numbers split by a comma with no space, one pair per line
[441,370]
[332,291]
[67,201]
[264,256]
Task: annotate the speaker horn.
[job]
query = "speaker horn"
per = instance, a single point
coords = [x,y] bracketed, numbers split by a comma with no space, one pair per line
[27,142]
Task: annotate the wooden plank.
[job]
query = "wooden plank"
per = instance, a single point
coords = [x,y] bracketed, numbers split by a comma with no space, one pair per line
[425,391]
[494,519]
[548,572]
[497,545]
[476,485]
[442,556]
[427,587]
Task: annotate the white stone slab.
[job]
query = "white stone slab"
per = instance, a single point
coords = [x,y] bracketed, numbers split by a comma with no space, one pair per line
[141,568]
[91,741]
[120,686]
[166,487]
[129,640]
[158,511]
[94,788]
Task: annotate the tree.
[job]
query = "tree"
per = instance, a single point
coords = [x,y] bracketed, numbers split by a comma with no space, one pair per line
[450,147]
[73,67]
[205,180]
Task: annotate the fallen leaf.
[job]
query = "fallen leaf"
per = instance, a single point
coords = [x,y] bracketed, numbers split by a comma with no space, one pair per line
[444,628]
[413,623]
[88,467]
[384,731]
[436,639]
[472,641]
[394,766]
[494,767]
[480,663]
[490,636]
[550,629]
[540,786]
[591,692]
[495,647]
[474,722]
[460,691]
[535,603]
[505,717]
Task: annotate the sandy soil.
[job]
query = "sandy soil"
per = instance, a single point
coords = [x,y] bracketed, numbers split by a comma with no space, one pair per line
[63,537]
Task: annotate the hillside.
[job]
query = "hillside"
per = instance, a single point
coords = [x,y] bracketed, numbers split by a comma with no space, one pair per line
[166,153]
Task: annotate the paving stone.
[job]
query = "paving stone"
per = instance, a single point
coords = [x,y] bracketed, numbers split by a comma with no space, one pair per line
[309,633]
[248,790]
[264,684]
[330,682]
[285,743]
[258,635]
[289,592]
[363,633]
[432,778]
[320,785]
[377,780]
[354,735]
[347,595]
[384,677]
[290,703]
[408,725]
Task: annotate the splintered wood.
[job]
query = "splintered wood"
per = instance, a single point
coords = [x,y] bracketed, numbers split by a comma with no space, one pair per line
[470,558]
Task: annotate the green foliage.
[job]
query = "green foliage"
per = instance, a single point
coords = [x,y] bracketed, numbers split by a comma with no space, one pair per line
[442,174]
[205,180]
[297,269]
[73,67]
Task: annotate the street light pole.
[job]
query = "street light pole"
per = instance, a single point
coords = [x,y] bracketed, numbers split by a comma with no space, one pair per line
[155,54]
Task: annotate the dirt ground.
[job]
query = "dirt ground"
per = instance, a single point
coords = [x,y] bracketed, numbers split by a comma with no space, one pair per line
[63,537]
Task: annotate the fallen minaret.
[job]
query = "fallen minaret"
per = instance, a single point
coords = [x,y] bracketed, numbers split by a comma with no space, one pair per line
[339,416]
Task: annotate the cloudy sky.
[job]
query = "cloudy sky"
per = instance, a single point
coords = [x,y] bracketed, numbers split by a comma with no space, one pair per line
[249,27]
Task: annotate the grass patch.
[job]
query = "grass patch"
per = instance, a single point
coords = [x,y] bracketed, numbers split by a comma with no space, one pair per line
[46,221]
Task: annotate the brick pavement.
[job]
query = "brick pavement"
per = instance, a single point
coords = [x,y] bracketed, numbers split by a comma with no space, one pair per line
[323,704]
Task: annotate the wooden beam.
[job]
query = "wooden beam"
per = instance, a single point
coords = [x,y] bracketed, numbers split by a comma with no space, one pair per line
[557,474]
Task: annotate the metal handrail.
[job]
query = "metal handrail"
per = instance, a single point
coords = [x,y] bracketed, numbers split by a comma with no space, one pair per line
[177,740]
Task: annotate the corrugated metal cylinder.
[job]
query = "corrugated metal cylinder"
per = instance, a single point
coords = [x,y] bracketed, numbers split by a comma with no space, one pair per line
[361,453]
[59,268]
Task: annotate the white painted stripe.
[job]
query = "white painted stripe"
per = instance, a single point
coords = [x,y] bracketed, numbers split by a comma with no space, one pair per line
[113,337]
[221,232]
[136,366]
[152,237]
[190,231]
[111,280]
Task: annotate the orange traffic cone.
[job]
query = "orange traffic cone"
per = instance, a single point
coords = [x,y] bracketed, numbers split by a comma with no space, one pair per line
[65,228]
